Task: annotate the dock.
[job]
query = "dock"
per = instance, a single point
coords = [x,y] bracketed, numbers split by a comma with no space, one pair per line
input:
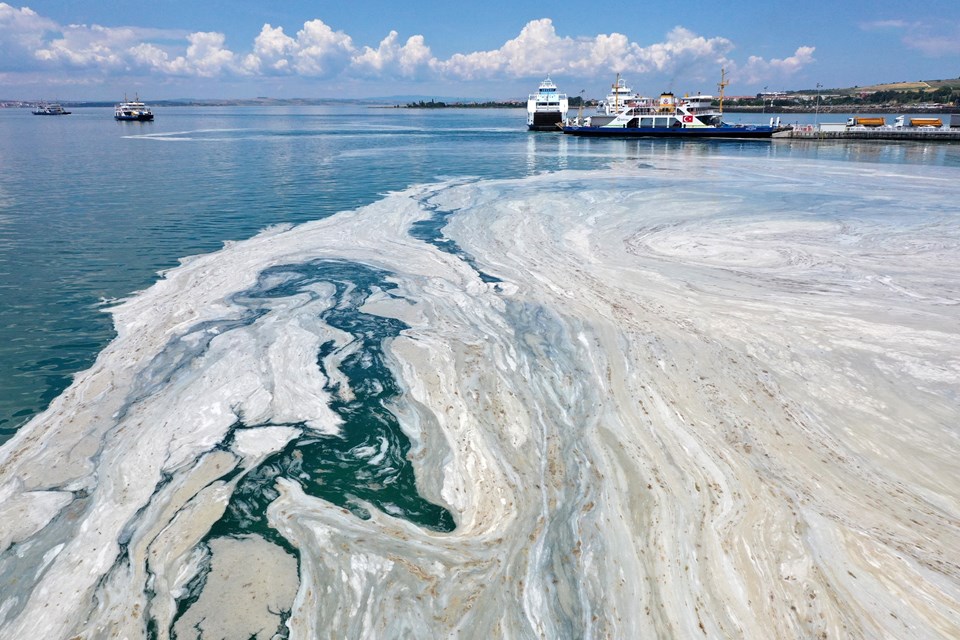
[904,128]
[917,134]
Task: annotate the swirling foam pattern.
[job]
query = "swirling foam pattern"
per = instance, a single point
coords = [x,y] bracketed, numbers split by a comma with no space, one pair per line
[714,401]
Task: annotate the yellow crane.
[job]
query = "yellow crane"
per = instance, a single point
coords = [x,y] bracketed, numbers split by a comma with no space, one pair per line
[722,85]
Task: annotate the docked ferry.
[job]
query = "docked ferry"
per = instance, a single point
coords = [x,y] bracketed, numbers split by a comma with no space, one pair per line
[626,115]
[133,110]
[669,117]
[547,108]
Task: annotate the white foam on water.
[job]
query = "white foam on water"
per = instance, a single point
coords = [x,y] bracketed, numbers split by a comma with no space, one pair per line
[715,397]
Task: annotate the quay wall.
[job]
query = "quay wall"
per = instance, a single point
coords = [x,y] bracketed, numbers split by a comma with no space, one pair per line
[880,133]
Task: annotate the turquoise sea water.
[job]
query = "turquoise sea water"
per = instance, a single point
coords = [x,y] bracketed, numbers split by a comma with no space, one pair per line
[92,209]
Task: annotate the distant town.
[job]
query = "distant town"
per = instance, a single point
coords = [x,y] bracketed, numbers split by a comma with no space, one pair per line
[941,96]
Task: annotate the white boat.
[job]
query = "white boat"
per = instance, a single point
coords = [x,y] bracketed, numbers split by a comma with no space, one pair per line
[547,108]
[133,110]
[50,109]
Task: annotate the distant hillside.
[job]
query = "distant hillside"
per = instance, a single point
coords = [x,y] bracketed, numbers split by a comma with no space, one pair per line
[917,86]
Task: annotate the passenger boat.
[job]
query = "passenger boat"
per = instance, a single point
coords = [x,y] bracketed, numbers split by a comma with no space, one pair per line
[50,109]
[133,110]
[666,117]
[547,108]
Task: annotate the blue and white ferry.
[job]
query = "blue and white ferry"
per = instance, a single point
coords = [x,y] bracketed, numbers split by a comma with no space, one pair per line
[547,108]
[624,115]
[133,110]
[50,109]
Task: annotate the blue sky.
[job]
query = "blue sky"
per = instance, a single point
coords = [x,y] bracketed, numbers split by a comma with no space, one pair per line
[98,50]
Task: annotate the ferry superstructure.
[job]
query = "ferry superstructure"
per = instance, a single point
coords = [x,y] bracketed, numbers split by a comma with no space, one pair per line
[547,108]
[620,94]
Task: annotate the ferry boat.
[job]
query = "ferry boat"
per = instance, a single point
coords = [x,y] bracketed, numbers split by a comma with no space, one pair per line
[620,94]
[133,110]
[50,109]
[547,108]
[666,117]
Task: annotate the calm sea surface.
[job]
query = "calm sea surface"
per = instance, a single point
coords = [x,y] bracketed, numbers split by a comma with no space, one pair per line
[92,209]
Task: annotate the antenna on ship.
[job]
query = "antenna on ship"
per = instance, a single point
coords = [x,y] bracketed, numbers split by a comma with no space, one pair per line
[616,95]
[722,85]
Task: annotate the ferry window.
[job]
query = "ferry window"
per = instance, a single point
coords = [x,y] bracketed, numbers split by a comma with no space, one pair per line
[646,122]
[662,122]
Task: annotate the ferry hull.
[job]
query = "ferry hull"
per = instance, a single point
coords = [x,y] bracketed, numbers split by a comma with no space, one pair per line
[737,133]
[139,118]
[545,121]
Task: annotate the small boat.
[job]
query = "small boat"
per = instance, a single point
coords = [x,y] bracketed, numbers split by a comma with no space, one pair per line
[50,109]
[547,108]
[133,110]
[624,115]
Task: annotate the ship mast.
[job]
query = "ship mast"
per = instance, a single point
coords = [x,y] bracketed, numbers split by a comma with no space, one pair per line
[722,85]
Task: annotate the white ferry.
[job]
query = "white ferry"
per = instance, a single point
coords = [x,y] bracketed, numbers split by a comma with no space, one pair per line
[666,117]
[50,109]
[547,108]
[133,110]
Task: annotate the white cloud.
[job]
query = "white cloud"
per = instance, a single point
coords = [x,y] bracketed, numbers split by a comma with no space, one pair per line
[408,60]
[933,39]
[38,43]
[21,33]
[30,43]
[602,52]
[316,51]
[273,43]
[83,46]
[271,50]
[205,57]
[681,48]
[539,50]
[877,25]
[415,54]
[536,51]
[321,50]
[758,69]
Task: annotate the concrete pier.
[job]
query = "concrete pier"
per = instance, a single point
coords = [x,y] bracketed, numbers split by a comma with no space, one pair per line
[921,134]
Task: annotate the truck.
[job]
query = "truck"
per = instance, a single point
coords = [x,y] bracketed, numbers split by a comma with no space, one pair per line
[935,123]
[865,122]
